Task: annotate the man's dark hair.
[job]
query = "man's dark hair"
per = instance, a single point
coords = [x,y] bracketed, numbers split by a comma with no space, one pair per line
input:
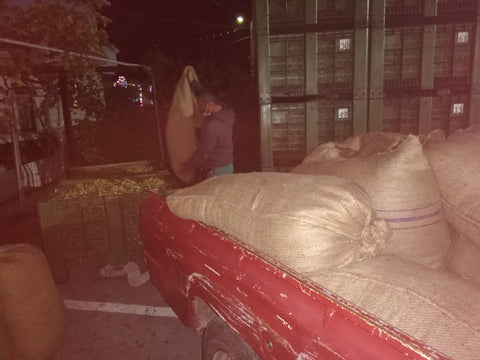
[208,96]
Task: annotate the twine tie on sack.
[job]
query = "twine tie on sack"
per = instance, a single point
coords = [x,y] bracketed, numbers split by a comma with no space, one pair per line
[373,238]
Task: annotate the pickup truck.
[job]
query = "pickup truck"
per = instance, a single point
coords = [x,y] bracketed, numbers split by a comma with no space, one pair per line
[252,307]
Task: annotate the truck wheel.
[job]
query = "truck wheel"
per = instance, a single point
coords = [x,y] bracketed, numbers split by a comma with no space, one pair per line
[221,342]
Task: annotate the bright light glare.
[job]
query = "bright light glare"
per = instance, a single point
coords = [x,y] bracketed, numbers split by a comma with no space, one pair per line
[240,19]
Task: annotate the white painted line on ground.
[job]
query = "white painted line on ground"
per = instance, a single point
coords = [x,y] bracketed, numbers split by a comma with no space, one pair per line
[120,308]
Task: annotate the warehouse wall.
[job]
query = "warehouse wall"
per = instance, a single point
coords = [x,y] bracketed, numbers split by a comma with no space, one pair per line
[329,69]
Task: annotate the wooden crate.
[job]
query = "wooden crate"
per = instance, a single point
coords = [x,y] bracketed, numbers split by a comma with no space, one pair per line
[102,230]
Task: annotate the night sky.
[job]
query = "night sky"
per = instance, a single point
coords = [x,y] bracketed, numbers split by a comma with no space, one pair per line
[187,29]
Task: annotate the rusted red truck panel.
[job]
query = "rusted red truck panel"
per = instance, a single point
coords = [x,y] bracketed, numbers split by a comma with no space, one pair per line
[281,315]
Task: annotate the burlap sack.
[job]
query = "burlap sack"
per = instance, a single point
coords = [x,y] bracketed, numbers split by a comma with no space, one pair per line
[456,165]
[464,257]
[305,222]
[438,308]
[180,127]
[358,145]
[404,192]
[365,144]
[32,314]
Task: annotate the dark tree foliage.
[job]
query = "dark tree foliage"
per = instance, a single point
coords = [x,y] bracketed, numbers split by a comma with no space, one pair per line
[74,26]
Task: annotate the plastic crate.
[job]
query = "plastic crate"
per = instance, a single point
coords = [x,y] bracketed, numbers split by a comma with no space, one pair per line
[335,123]
[288,133]
[457,8]
[339,13]
[403,55]
[451,112]
[400,115]
[404,7]
[335,60]
[284,12]
[403,12]
[287,65]
[335,119]
[405,40]
[454,44]
[102,230]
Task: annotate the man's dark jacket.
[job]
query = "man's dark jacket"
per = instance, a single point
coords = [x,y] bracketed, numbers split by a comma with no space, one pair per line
[215,143]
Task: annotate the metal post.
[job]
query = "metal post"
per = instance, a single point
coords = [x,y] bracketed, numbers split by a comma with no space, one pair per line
[18,158]
[157,118]
[360,70]
[428,56]
[67,117]
[475,92]
[377,57]
[263,68]
[311,77]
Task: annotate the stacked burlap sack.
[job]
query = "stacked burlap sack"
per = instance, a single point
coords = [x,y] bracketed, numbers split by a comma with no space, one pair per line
[456,164]
[437,308]
[307,223]
[404,191]
[32,314]
[365,219]
[418,184]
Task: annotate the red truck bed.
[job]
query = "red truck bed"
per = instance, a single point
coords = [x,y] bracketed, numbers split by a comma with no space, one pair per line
[279,314]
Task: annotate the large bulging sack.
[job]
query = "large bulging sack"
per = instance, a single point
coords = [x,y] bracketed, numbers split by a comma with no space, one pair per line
[305,222]
[438,308]
[464,257]
[456,164]
[32,313]
[180,127]
[359,145]
[404,192]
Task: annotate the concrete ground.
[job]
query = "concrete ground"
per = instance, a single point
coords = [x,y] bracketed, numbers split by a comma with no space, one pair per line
[118,331]
[107,317]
